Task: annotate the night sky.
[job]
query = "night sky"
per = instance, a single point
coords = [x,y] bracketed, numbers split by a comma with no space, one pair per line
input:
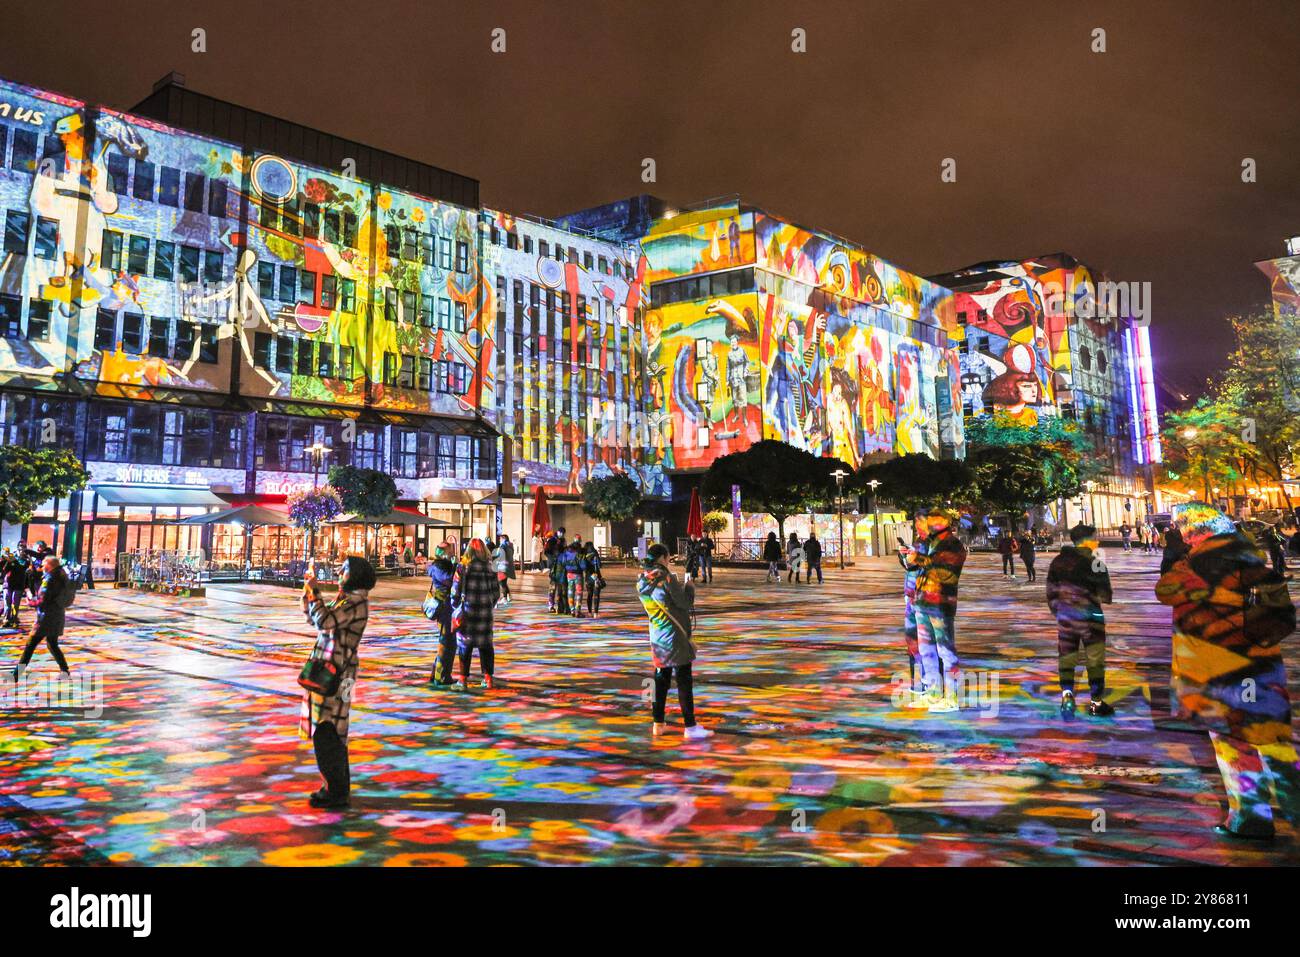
[1129,160]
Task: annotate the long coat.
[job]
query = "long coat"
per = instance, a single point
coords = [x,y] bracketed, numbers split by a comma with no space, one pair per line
[50,614]
[339,627]
[668,604]
[474,594]
[1227,661]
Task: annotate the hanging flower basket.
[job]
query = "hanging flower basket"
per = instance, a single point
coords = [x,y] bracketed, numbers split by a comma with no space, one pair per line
[312,508]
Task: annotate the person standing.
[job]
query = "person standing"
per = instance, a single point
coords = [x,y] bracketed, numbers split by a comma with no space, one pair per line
[693,557]
[911,569]
[339,625]
[442,571]
[793,558]
[1028,555]
[670,605]
[1006,548]
[935,604]
[474,594]
[812,553]
[13,579]
[707,547]
[1078,584]
[1126,535]
[571,563]
[499,566]
[52,600]
[595,581]
[1175,549]
[508,547]
[1230,613]
[772,555]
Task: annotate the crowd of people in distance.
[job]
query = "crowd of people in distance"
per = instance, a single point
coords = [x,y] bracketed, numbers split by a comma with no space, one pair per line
[798,557]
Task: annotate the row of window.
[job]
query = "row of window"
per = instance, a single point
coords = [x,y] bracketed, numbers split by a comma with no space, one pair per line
[511,239]
[295,284]
[420,372]
[171,261]
[303,357]
[18,232]
[413,306]
[157,336]
[26,147]
[11,319]
[430,249]
[166,185]
[734,282]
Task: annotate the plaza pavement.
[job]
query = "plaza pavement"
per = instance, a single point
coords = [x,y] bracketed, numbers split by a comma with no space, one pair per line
[193,756]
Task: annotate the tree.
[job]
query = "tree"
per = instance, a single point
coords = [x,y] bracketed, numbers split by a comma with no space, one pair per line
[1204,444]
[1262,386]
[363,492]
[1012,478]
[1061,441]
[612,498]
[366,493]
[915,481]
[715,522]
[30,477]
[774,477]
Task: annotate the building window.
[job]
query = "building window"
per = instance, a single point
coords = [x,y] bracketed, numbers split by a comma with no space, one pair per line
[425,383]
[266,280]
[444,313]
[212,265]
[189,264]
[110,250]
[137,257]
[24,155]
[307,287]
[216,198]
[410,305]
[194,189]
[164,261]
[406,375]
[169,187]
[133,333]
[349,229]
[105,330]
[390,305]
[262,350]
[209,344]
[390,369]
[347,295]
[345,370]
[512,240]
[325,361]
[284,354]
[462,321]
[38,320]
[17,224]
[158,329]
[543,248]
[47,238]
[444,252]
[327,291]
[462,256]
[304,365]
[288,284]
[186,333]
[11,315]
[119,170]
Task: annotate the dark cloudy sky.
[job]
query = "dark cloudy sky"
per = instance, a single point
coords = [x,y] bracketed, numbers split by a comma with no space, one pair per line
[1130,160]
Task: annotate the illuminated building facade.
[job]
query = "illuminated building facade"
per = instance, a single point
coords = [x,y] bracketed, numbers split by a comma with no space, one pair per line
[1036,339]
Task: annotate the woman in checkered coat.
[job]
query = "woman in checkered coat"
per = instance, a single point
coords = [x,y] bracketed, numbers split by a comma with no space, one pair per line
[339,626]
[475,592]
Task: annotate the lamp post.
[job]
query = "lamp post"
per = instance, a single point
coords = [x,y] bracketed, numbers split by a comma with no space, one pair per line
[840,476]
[877,540]
[317,451]
[1092,503]
[521,473]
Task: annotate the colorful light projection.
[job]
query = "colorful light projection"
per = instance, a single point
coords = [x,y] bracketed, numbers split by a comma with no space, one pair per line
[704,240]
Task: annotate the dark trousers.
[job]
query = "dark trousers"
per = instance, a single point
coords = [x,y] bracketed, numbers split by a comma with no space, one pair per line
[446,652]
[685,693]
[1087,631]
[51,642]
[817,567]
[706,568]
[593,597]
[1008,564]
[1029,568]
[486,659]
[505,588]
[332,759]
[13,602]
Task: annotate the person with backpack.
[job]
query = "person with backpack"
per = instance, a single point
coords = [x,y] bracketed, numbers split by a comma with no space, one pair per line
[555,601]
[53,599]
[13,579]
[571,562]
[772,555]
[1230,614]
[669,604]
[1078,584]
[437,608]
[812,554]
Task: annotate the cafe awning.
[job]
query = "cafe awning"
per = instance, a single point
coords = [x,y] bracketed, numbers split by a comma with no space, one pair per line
[187,496]
[252,515]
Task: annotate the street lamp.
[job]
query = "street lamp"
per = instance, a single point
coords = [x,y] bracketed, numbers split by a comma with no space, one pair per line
[521,473]
[877,540]
[317,452]
[840,476]
[1092,503]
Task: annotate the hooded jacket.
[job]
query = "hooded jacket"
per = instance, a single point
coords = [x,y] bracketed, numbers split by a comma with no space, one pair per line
[669,605]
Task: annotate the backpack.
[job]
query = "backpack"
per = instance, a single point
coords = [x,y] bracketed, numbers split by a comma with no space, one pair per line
[69,593]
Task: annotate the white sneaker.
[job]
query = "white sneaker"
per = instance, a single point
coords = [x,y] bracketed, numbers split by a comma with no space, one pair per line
[658,728]
[696,733]
[944,704]
[919,700]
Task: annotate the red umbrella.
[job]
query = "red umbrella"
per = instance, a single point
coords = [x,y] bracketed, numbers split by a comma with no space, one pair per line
[695,521]
[541,515]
